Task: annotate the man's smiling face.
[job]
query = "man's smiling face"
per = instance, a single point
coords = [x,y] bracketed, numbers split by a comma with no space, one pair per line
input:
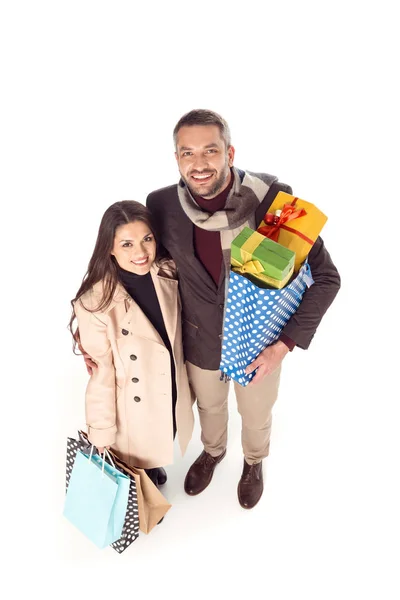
[204,161]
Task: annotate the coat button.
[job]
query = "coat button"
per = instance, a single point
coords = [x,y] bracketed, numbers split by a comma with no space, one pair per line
[133,357]
[125,332]
[221,306]
[136,399]
[135,379]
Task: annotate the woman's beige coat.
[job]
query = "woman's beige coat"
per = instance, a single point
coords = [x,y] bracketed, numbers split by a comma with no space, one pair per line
[129,395]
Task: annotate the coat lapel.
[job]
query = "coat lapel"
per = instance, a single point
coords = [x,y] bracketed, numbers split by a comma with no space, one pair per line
[131,317]
[182,229]
[167,292]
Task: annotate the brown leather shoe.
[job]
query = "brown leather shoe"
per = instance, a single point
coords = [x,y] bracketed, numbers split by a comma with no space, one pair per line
[200,473]
[251,485]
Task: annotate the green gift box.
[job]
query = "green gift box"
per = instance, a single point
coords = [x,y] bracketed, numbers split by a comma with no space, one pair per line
[256,254]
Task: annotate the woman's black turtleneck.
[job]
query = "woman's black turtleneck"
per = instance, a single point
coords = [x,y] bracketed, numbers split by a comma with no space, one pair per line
[142,291]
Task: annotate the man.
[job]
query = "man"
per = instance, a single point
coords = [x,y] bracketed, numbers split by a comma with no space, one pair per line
[197,219]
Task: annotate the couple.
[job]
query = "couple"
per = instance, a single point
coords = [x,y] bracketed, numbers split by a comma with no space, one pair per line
[143,382]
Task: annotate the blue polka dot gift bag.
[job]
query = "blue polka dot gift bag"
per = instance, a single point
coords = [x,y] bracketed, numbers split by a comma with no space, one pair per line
[254,319]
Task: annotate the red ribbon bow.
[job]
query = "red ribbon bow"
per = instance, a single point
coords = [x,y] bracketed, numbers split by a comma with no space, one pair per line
[289,213]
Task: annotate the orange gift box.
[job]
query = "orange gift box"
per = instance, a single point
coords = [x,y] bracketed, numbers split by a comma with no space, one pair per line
[297,227]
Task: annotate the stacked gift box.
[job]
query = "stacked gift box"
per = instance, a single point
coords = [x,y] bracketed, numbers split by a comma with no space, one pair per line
[270,276]
[275,252]
[255,255]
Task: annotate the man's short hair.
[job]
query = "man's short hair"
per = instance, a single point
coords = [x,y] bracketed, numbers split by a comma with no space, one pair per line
[201,116]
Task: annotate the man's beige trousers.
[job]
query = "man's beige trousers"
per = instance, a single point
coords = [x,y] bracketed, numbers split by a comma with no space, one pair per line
[255,404]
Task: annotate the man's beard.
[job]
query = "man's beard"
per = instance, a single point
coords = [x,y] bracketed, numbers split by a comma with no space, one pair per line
[217,186]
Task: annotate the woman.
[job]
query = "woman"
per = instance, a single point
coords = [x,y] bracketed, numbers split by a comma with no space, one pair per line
[128,313]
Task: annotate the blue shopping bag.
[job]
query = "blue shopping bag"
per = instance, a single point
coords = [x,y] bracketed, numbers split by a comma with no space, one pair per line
[254,319]
[97,499]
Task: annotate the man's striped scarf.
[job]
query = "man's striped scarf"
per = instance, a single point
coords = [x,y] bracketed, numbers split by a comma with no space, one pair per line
[244,198]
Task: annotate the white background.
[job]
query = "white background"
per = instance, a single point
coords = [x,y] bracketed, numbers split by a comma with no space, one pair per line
[90,94]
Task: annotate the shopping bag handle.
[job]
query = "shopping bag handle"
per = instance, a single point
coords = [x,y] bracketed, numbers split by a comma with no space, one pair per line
[104,458]
[109,457]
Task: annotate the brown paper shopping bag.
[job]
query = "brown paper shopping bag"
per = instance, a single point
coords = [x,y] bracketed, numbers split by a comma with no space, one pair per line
[151,503]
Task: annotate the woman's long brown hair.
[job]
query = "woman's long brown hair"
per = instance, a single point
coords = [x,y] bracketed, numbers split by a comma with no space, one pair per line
[102,265]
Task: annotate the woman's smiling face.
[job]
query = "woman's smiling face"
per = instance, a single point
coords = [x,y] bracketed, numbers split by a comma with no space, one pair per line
[134,247]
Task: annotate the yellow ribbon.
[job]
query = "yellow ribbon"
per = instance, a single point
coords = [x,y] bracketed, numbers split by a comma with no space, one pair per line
[250,245]
[262,276]
[251,266]
[248,265]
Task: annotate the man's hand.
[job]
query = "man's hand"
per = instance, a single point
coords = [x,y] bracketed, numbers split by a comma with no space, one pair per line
[89,362]
[267,361]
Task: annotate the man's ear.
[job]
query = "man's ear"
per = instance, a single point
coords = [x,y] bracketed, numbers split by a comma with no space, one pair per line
[231,155]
